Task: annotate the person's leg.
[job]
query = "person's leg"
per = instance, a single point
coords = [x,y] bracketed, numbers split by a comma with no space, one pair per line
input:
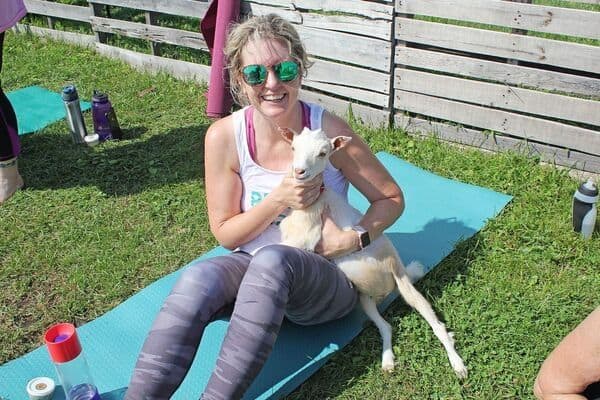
[201,292]
[573,365]
[10,180]
[280,279]
[9,138]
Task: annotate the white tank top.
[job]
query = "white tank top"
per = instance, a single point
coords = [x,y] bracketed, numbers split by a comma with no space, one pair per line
[257,182]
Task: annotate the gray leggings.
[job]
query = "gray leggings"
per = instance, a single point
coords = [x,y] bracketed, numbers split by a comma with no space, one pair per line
[279,280]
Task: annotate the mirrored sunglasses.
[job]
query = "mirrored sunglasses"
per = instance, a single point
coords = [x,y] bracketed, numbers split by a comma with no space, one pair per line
[256,74]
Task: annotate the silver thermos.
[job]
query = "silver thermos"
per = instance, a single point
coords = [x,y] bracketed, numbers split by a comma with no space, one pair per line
[74,116]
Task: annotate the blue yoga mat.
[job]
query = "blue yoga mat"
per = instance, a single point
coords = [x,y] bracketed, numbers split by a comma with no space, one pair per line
[37,107]
[439,213]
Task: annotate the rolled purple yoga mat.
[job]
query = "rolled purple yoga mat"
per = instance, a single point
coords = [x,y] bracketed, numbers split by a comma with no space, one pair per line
[214,26]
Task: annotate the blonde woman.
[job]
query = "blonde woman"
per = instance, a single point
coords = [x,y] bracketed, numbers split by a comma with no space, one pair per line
[249,188]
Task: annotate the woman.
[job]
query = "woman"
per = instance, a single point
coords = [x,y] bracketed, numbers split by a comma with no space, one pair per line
[249,189]
[11,11]
[572,370]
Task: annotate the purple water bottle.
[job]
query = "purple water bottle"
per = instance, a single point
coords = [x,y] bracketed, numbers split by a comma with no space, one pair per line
[104,117]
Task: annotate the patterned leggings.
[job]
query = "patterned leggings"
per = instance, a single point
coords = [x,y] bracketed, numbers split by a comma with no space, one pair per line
[279,280]
[9,139]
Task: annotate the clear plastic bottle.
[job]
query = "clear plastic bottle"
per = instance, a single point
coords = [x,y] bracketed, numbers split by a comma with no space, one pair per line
[584,208]
[70,363]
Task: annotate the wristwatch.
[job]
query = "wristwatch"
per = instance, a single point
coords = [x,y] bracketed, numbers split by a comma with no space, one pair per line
[363,236]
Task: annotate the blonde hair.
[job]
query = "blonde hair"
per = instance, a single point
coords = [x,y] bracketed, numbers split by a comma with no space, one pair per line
[270,26]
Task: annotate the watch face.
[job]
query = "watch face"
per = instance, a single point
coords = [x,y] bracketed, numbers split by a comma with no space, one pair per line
[365,240]
[363,236]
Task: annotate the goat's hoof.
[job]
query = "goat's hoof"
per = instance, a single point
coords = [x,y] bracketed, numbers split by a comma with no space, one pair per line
[387,362]
[387,368]
[459,367]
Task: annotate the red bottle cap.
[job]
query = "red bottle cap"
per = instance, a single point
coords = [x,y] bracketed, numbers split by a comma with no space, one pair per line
[62,342]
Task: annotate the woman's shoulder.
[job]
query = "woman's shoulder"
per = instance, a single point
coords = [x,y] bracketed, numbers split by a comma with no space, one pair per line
[334,125]
[220,132]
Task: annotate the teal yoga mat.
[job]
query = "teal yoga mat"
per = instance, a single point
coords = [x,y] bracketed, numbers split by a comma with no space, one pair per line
[439,213]
[37,107]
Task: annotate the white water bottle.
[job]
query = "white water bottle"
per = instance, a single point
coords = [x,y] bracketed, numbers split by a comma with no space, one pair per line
[584,208]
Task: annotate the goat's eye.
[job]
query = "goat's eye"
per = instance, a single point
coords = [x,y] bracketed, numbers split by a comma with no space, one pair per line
[322,154]
[293,148]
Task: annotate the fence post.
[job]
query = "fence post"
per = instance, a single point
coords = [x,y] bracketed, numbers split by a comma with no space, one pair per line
[101,37]
[397,44]
[151,19]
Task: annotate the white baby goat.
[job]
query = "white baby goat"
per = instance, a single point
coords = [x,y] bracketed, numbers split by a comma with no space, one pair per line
[376,270]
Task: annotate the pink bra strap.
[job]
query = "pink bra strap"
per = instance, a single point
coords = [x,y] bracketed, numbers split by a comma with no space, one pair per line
[305,115]
[251,135]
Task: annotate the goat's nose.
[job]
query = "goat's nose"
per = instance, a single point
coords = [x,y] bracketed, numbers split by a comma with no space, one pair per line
[299,171]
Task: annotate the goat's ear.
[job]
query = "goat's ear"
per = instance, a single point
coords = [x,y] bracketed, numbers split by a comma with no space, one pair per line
[340,141]
[287,134]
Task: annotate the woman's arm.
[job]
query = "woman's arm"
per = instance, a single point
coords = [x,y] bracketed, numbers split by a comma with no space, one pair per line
[360,166]
[573,364]
[230,226]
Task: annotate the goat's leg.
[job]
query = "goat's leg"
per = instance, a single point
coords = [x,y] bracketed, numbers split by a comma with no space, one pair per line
[385,330]
[416,300]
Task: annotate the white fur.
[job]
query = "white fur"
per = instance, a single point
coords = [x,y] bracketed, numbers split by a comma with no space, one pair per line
[376,270]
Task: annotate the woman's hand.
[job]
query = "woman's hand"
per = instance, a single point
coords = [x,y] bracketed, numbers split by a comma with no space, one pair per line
[335,242]
[297,195]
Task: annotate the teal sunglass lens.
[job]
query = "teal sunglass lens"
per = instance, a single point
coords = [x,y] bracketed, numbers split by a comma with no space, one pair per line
[254,74]
[286,71]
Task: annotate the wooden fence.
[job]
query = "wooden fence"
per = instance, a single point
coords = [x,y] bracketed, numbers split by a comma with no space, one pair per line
[486,73]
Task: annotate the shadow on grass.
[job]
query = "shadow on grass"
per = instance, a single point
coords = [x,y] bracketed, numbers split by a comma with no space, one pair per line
[341,371]
[52,161]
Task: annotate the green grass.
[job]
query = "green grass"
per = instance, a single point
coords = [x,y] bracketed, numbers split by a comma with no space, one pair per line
[96,225]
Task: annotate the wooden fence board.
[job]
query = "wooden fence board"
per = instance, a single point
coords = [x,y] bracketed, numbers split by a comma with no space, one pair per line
[368,115]
[362,51]
[497,71]
[377,99]
[525,127]
[322,42]
[359,26]
[496,143]
[58,10]
[149,32]
[248,8]
[78,39]
[186,8]
[369,9]
[155,64]
[380,29]
[500,96]
[537,50]
[564,21]
[348,75]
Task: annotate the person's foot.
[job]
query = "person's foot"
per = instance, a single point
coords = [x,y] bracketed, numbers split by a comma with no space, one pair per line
[10,179]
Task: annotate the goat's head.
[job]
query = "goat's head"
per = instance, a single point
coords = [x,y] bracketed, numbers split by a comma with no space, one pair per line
[312,149]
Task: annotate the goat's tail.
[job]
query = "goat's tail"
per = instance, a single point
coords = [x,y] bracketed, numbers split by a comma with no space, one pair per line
[415,271]
[404,277]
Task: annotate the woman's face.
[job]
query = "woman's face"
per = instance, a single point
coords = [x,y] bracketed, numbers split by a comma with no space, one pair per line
[273,98]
